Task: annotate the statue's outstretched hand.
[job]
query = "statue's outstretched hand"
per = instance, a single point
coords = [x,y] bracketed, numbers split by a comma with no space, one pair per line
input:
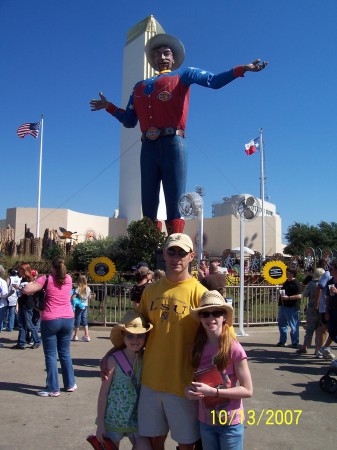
[96,105]
[255,66]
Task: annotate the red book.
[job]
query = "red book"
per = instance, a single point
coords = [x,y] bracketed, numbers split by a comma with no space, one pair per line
[212,377]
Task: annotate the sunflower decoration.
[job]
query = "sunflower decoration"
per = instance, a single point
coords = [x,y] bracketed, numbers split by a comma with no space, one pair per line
[101,269]
[275,272]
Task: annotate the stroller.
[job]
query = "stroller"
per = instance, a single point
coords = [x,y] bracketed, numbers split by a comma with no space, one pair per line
[328,383]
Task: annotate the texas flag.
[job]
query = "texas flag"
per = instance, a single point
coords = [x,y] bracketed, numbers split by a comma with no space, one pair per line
[253,146]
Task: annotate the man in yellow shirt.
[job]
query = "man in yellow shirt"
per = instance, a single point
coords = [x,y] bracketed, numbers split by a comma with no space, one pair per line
[166,368]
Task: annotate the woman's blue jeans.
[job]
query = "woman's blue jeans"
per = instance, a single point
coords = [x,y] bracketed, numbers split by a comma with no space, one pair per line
[25,321]
[56,336]
[10,318]
[3,311]
[163,160]
[220,437]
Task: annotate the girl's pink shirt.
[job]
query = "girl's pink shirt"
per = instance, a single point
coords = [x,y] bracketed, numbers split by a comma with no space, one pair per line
[58,304]
[233,408]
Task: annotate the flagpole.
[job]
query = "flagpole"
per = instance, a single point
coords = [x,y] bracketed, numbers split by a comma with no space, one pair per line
[262,197]
[39,181]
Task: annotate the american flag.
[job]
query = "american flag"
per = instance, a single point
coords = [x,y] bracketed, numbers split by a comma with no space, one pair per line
[28,128]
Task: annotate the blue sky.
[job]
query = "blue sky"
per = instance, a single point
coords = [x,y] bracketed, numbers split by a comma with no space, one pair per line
[57,55]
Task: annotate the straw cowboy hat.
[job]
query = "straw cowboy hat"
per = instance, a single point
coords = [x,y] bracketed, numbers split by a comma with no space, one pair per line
[132,323]
[163,39]
[213,300]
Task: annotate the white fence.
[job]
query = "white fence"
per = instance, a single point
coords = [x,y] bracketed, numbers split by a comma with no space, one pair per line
[111,301]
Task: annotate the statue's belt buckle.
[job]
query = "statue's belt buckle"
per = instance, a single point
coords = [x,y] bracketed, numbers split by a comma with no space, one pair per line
[152,133]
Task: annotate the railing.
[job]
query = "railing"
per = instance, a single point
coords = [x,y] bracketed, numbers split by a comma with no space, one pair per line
[111,301]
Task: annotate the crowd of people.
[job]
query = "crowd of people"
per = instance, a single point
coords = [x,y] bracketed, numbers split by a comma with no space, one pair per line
[175,357]
[321,309]
[65,310]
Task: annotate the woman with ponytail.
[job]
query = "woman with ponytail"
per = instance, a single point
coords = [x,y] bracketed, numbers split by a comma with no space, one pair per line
[220,364]
[57,321]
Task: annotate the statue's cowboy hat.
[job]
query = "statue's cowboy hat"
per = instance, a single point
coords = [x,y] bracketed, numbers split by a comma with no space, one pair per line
[132,323]
[163,39]
[213,300]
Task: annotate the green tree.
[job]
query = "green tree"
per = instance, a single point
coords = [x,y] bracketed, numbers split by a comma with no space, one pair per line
[328,235]
[88,250]
[52,252]
[119,253]
[301,236]
[144,240]
[141,244]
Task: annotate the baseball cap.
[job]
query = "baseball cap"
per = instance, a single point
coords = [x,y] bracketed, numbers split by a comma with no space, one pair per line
[179,240]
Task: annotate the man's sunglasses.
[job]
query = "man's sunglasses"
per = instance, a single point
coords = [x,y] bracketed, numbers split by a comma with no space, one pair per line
[206,314]
[180,252]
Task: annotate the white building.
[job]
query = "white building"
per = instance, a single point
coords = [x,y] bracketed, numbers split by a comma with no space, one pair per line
[85,226]
[224,208]
[222,231]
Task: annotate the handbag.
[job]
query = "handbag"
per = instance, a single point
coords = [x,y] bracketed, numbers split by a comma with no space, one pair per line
[212,377]
[40,297]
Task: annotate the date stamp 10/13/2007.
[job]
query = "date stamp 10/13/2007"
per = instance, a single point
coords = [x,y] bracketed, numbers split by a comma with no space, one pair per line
[256,418]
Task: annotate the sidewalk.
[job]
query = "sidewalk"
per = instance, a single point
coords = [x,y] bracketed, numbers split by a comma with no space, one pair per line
[283,381]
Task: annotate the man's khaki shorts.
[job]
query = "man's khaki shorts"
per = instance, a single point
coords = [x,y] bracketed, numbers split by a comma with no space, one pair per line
[160,412]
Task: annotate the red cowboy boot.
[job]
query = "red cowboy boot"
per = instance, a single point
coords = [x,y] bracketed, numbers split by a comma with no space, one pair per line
[175,226]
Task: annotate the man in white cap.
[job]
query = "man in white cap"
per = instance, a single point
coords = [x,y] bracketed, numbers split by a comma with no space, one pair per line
[167,369]
[160,104]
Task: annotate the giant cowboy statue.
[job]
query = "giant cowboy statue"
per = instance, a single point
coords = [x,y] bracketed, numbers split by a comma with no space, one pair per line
[161,104]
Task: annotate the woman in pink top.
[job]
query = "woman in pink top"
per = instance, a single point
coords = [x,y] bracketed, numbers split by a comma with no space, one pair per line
[221,364]
[57,321]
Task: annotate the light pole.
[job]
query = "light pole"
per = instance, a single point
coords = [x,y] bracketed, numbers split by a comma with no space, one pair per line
[200,190]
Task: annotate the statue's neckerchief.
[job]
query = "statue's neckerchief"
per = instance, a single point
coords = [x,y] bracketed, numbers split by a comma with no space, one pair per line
[163,71]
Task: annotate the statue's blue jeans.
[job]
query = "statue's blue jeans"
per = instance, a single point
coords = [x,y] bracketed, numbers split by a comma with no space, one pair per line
[163,159]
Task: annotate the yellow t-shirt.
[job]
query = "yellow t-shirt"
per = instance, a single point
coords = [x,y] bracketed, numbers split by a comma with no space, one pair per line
[166,304]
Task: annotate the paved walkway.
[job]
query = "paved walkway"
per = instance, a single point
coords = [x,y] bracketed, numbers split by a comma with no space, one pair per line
[283,381]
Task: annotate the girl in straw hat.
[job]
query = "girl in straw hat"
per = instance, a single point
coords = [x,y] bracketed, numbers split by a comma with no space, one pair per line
[220,363]
[118,396]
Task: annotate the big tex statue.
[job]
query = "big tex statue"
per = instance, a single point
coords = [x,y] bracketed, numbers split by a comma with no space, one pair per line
[160,104]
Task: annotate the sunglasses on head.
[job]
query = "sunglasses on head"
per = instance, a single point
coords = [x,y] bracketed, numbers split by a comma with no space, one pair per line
[179,252]
[132,336]
[206,314]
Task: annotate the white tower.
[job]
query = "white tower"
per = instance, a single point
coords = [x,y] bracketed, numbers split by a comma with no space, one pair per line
[135,68]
